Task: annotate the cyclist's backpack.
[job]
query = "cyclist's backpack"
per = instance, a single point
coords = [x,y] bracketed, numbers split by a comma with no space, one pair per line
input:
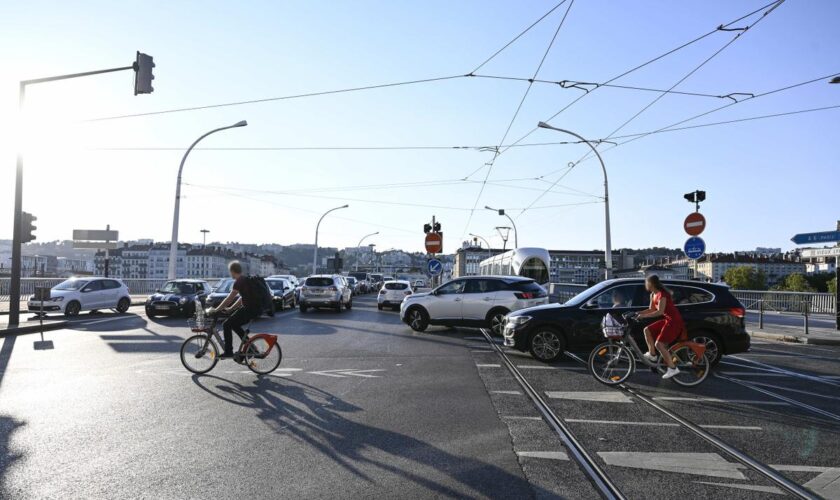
[260,288]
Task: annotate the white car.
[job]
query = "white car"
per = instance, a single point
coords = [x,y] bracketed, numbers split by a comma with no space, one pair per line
[392,294]
[84,294]
[419,284]
[479,301]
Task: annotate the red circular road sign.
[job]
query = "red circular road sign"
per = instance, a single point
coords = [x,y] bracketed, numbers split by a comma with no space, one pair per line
[434,243]
[694,224]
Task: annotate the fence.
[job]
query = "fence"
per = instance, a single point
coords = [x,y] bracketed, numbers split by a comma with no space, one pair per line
[770,300]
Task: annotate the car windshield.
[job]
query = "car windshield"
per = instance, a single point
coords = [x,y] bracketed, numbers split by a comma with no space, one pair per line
[276,284]
[178,287]
[224,286]
[586,294]
[351,280]
[359,276]
[396,286]
[71,285]
[319,282]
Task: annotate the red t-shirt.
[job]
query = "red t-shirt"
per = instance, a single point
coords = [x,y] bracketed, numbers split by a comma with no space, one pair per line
[672,314]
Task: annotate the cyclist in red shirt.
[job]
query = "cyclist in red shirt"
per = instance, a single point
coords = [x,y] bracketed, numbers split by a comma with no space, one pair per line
[660,334]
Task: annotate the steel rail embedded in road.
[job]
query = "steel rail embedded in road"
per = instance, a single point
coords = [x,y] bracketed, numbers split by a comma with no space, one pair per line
[763,469]
[596,474]
[780,397]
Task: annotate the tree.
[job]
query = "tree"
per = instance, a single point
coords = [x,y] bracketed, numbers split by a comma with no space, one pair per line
[819,281]
[795,282]
[832,285]
[745,278]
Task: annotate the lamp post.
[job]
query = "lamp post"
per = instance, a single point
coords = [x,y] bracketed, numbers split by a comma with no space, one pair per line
[836,79]
[504,232]
[489,248]
[501,211]
[173,246]
[608,251]
[359,246]
[317,227]
[204,237]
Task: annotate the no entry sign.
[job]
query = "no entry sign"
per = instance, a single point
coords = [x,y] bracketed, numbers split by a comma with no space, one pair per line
[694,224]
[434,243]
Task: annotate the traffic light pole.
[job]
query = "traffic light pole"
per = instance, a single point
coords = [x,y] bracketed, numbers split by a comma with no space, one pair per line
[14,288]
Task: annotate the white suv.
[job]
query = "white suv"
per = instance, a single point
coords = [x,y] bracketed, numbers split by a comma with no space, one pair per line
[84,294]
[392,294]
[474,301]
[325,290]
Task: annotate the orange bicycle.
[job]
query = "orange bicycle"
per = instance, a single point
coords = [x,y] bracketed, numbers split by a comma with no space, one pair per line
[261,352]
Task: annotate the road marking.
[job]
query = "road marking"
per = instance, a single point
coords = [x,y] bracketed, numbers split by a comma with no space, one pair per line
[790,372]
[750,487]
[345,372]
[701,464]
[289,369]
[661,424]
[716,400]
[480,350]
[95,321]
[798,391]
[535,367]
[780,397]
[827,483]
[487,366]
[599,396]
[550,455]
[515,417]
[511,393]
[753,374]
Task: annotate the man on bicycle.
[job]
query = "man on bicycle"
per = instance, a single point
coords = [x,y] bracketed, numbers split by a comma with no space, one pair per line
[246,307]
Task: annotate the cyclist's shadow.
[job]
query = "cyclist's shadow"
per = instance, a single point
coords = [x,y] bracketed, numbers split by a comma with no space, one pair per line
[316,418]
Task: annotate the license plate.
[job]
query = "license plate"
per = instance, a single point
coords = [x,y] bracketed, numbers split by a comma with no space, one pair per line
[162,308]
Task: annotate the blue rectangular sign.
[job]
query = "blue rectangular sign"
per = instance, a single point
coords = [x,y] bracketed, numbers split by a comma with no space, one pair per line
[822,237]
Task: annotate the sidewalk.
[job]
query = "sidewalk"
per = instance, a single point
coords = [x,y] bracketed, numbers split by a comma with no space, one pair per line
[816,335]
[28,325]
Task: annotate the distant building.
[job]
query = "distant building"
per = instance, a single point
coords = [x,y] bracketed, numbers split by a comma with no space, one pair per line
[38,265]
[208,262]
[158,265]
[566,266]
[712,267]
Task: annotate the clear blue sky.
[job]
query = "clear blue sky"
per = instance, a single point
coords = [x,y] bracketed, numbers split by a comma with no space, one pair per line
[766,179]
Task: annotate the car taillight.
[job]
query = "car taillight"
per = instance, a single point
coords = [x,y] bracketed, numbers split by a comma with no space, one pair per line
[332,289]
[408,292]
[738,312]
[525,295]
[381,291]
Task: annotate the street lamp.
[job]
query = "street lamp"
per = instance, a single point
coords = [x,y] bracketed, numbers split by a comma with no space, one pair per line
[489,248]
[501,211]
[504,232]
[836,79]
[359,246]
[204,237]
[317,227]
[173,246]
[372,254]
[608,252]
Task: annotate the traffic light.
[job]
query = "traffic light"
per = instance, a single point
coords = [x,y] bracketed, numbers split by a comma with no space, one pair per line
[437,227]
[143,74]
[27,230]
[427,228]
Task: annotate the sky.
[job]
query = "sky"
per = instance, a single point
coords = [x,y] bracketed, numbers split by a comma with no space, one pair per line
[765,179]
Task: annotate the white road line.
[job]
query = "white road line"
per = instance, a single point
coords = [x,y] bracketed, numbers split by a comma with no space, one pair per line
[716,400]
[480,350]
[597,396]
[536,367]
[790,372]
[780,397]
[511,393]
[515,417]
[93,322]
[827,483]
[487,365]
[662,424]
[753,374]
[749,487]
[289,369]
[701,464]
[798,391]
[550,455]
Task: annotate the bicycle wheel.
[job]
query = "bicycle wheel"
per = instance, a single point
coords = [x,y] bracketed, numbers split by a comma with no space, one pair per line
[611,363]
[199,354]
[261,357]
[693,369]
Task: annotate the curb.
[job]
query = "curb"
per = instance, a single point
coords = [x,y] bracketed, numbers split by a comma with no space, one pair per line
[798,339]
[52,325]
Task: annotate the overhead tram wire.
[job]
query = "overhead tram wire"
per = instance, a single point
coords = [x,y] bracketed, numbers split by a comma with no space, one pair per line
[328,148]
[516,114]
[767,10]
[642,65]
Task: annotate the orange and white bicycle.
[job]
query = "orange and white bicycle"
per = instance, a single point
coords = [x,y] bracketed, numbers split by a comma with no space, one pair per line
[260,352]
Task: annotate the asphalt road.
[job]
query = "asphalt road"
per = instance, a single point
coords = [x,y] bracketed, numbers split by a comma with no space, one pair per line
[361,407]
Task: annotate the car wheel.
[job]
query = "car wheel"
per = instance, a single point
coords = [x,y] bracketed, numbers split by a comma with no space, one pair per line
[547,345]
[379,306]
[349,305]
[338,306]
[714,350]
[496,321]
[418,320]
[303,308]
[149,313]
[282,306]
[123,305]
[72,309]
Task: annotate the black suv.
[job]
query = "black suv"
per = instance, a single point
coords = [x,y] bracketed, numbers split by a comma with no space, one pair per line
[711,313]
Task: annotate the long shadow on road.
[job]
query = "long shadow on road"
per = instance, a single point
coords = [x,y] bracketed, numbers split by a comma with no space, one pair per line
[317,418]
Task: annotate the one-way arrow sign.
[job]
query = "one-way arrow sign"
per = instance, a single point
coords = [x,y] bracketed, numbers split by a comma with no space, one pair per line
[821,237]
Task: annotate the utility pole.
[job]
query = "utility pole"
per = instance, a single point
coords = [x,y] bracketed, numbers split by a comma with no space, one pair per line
[143,77]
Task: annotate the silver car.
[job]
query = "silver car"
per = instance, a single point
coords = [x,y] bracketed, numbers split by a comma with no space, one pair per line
[325,291]
[479,301]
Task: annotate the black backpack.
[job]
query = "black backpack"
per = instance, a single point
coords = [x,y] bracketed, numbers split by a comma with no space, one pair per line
[260,287]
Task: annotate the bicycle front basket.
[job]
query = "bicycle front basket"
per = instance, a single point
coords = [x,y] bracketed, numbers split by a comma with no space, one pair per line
[612,327]
[198,323]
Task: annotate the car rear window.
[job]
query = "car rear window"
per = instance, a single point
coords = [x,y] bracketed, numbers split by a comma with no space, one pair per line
[690,295]
[319,282]
[396,286]
[527,286]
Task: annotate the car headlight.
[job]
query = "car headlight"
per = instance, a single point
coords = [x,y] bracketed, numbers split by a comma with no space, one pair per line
[183,300]
[56,299]
[516,321]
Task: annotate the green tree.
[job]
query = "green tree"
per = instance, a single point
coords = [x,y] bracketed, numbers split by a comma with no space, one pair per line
[795,282]
[832,285]
[745,278]
[819,281]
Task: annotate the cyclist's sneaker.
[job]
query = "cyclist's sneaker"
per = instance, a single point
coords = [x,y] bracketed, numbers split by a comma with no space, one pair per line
[671,372]
[650,357]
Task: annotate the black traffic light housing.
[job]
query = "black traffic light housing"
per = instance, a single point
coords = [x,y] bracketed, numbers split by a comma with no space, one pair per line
[27,229]
[437,227]
[427,228]
[143,76]
[695,197]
